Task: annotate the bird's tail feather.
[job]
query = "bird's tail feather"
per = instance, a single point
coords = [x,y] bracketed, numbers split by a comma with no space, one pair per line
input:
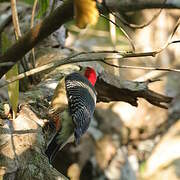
[54,146]
[61,138]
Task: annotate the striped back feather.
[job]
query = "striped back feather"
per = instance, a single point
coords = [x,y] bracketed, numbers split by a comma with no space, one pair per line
[81,101]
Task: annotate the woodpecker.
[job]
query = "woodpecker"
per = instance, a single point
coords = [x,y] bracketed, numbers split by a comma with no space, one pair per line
[74,99]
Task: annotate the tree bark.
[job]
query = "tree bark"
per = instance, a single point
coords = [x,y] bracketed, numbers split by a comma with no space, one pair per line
[22,146]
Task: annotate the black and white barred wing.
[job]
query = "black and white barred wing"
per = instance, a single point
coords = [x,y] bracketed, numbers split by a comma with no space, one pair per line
[81,100]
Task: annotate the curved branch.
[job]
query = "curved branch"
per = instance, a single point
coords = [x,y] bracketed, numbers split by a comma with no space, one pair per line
[131,5]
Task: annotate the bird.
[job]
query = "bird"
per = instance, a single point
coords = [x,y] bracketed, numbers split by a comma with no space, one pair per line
[73,105]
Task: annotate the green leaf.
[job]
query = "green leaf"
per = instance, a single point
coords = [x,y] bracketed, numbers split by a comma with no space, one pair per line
[13,88]
[43,6]
[142,167]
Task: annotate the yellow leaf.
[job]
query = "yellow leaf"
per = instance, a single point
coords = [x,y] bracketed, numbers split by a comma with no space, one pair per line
[13,88]
[85,12]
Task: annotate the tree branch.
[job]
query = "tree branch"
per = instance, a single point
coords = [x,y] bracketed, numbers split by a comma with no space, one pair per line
[110,88]
[51,23]
[131,5]
[101,56]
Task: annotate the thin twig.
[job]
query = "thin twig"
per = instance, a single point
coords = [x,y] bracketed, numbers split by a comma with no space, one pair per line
[32,24]
[123,31]
[142,67]
[33,12]
[6,64]
[75,59]
[169,42]
[17,27]
[112,30]
[140,26]
[15,19]
[135,26]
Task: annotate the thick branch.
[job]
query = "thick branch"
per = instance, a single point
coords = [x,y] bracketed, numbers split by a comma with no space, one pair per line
[131,5]
[51,23]
[110,88]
